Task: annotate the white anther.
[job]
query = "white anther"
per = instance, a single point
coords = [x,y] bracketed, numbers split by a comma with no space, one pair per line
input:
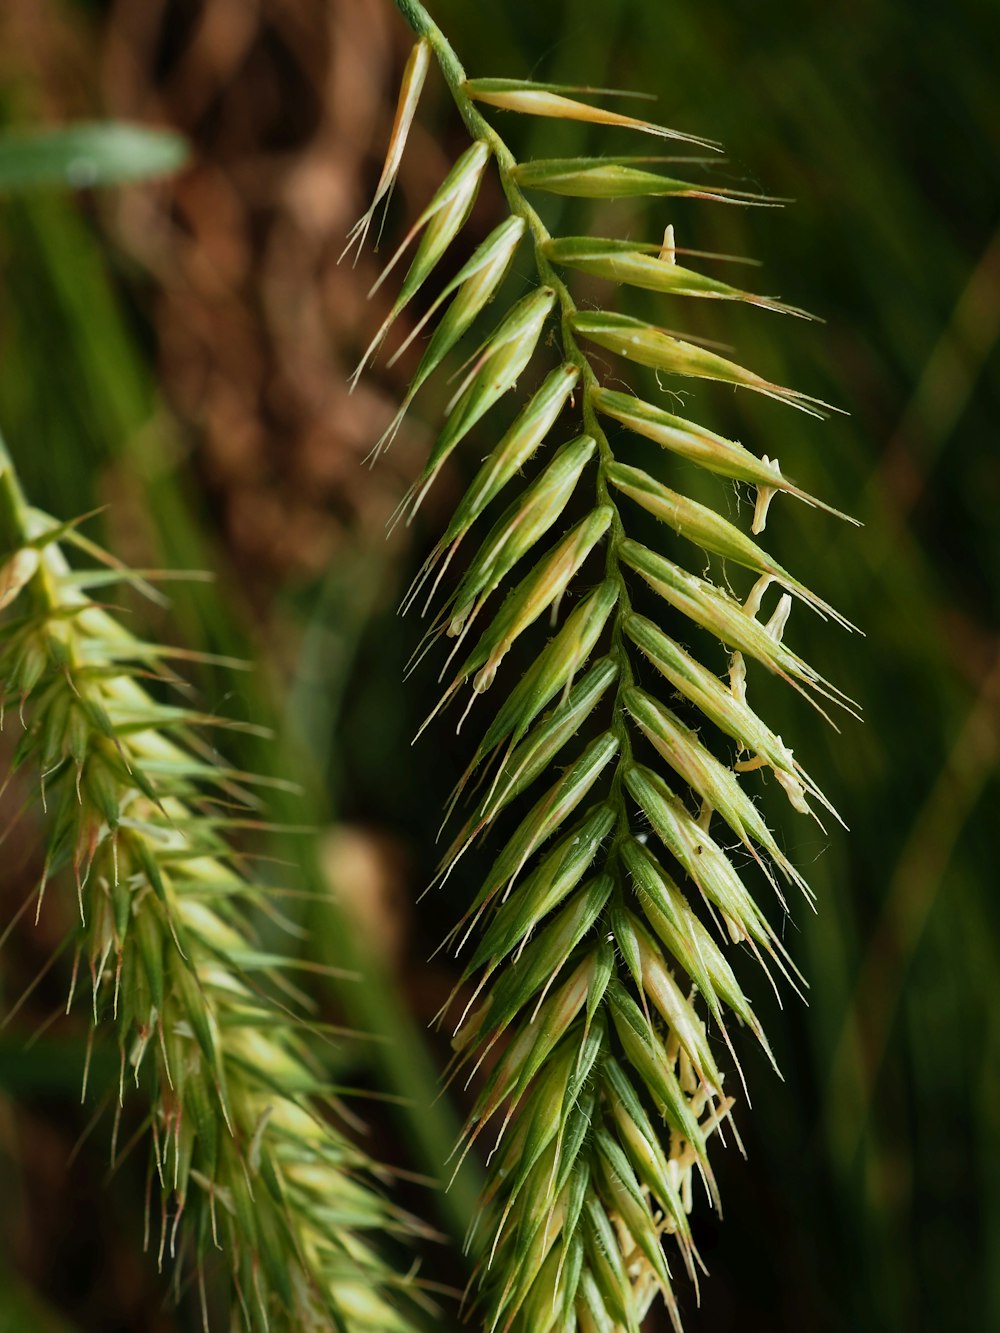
[765,494]
[752,604]
[776,625]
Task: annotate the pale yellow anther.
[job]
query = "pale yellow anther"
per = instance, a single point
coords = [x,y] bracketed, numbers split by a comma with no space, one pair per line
[752,604]
[674,1172]
[686,1074]
[765,494]
[776,625]
[736,932]
[687,1194]
[749,765]
[738,678]
[668,251]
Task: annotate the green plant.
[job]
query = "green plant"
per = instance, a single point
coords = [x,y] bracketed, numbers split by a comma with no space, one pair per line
[143,819]
[246,1160]
[591,938]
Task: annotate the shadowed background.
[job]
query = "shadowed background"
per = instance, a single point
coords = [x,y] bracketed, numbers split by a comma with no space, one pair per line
[179,353]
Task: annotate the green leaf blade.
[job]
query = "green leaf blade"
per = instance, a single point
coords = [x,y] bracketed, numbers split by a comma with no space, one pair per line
[87,155]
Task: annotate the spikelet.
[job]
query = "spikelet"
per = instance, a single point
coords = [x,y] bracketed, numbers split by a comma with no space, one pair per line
[598,972]
[245,1158]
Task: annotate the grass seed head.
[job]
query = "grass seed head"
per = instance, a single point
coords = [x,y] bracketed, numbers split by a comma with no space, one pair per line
[597,944]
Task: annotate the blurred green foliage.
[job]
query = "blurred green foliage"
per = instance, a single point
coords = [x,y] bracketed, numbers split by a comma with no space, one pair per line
[86,156]
[871,1199]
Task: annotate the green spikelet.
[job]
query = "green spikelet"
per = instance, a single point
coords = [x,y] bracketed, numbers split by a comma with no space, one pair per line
[599,947]
[246,1163]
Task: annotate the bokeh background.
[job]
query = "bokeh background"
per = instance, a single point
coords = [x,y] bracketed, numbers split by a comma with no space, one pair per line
[178,353]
